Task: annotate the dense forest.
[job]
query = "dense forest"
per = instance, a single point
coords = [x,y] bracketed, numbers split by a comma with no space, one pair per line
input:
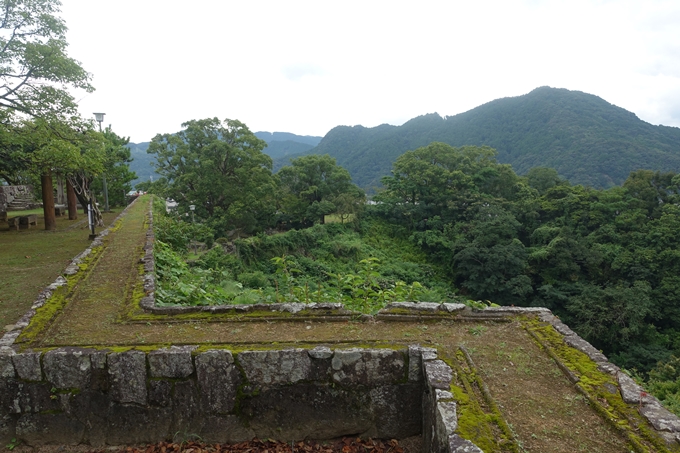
[586,139]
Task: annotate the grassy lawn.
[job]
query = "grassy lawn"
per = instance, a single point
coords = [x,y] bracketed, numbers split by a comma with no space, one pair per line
[32,258]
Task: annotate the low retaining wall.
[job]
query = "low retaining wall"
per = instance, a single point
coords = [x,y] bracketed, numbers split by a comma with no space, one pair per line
[72,396]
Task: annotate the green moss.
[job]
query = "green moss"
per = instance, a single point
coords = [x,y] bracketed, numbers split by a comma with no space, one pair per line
[481,422]
[58,300]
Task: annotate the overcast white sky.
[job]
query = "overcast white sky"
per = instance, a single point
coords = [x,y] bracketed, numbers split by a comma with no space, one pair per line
[308,66]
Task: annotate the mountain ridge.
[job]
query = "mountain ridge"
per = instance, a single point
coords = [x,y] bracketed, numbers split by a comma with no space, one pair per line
[585,138]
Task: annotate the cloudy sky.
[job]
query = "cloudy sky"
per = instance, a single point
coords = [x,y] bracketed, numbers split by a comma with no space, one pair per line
[308,66]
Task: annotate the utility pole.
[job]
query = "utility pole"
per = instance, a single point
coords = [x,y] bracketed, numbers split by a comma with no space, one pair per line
[100,117]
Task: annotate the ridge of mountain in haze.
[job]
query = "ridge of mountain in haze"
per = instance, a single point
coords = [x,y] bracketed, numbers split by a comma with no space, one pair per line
[586,139]
[279,144]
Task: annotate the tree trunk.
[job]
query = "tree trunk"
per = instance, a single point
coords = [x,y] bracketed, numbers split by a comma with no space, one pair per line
[48,200]
[72,201]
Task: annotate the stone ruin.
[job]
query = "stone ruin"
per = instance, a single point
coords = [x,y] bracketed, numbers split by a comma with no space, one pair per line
[71,396]
[17,198]
[132,395]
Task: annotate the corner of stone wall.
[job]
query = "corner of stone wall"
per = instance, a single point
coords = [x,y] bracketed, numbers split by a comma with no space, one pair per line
[664,422]
[440,419]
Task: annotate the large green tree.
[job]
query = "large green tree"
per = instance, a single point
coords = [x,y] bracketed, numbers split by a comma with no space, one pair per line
[219,168]
[314,187]
[35,70]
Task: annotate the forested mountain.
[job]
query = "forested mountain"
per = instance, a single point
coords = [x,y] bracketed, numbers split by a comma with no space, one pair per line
[280,144]
[586,139]
[141,162]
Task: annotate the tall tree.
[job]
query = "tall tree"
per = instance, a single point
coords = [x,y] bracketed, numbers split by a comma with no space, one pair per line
[35,70]
[218,167]
[315,186]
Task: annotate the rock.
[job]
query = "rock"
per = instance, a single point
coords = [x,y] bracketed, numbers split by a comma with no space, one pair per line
[275,367]
[159,392]
[416,355]
[6,366]
[41,429]
[127,377]
[630,391]
[225,429]
[446,418]
[67,368]
[218,381]
[174,362]
[321,352]
[27,366]
[459,445]
[660,417]
[438,374]
[582,345]
[368,366]
[430,307]
[562,328]
[393,411]
[450,308]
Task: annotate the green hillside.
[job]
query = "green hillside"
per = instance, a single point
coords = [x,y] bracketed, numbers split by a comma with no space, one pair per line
[588,140]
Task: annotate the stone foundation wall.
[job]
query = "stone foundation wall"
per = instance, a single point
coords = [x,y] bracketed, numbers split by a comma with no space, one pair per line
[72,396]
[9,193]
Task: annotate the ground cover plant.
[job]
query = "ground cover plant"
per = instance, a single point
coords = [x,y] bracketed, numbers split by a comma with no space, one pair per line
[333,262]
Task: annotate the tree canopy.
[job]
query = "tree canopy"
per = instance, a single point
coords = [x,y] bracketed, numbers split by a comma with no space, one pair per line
[35,69]
[314,187]
[219,168]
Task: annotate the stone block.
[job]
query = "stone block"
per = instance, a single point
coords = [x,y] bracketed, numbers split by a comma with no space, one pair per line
[6,365]
[437,374]
[446,418]
[174,362]
[582,345]
[186,411]
[430,307]
[159,392]
[127,377]
[368,367]
[7,429]
[275,367]
[562,328]
[321,352]
[218,380]
[416,355]
[393,411]
[32,398]
[131,424]
[308,410]
[224,429]
[42,429]
[451,308]
[630,391]
[459,445]
[27,366]
[660,417]
[67,368]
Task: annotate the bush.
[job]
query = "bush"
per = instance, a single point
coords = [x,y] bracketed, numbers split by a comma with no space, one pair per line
[254,280]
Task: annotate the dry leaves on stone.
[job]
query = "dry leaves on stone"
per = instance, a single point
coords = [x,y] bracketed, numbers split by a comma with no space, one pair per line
[345,445]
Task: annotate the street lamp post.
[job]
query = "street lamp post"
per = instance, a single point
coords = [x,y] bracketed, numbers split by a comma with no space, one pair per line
[192,208]
[100,117]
